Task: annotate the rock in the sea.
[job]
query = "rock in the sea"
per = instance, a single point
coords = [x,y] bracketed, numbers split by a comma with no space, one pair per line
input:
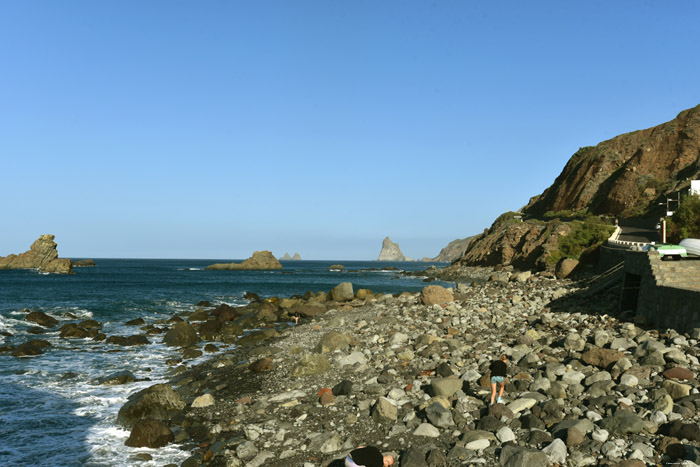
[159,402]
[83,263]
[120,377]
[149,433]
[30,348]
[42,255]
[391,252]
[42,319]
[260,261]
[181,335]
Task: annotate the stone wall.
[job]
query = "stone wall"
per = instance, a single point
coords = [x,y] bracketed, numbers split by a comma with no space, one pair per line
[666,294]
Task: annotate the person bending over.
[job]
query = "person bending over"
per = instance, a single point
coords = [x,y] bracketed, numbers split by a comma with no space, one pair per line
[498,376]
[368,456]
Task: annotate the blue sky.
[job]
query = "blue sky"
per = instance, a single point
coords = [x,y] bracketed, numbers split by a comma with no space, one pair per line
[172,129]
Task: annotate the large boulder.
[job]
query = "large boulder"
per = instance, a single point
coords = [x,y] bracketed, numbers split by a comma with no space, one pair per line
[260,261]
[42,255]
[343,292]
[41,318]
[436,295]
[181,335]
[159,402]
[565,267]
[30,348]
[149,433]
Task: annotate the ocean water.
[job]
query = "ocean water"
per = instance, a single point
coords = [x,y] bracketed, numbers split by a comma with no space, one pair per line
[52,409]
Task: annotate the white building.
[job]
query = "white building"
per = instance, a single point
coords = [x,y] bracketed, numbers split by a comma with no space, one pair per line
[695,187]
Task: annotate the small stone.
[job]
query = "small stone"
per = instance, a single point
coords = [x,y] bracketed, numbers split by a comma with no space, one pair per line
[574,437]
[427,430]
[205,400]
[505,434]
[556,452]
[678,373]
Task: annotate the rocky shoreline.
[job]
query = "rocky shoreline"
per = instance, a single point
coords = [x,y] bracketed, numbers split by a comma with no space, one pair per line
[407,373]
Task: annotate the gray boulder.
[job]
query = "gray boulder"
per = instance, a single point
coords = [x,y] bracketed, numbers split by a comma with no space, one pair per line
[149,433]
[181,335]
[159,402]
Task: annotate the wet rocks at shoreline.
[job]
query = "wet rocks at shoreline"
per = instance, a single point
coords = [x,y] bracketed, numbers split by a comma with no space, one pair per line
[584,387]
[409,373]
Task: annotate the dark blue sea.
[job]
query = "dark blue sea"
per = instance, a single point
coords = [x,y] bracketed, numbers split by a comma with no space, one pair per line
[52,410]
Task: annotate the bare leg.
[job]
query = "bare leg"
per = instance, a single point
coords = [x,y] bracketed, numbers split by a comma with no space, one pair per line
[493,393]
[503,386]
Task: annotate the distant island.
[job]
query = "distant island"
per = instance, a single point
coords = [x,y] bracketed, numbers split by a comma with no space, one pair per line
[42,255]
[260,261]
[391,252]
[286,257]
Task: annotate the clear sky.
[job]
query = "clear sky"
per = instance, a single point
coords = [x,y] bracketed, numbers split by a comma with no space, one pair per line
[210,129]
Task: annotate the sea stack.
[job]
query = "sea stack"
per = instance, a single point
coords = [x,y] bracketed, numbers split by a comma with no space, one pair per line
[391,252]
[260,261]
[42,255]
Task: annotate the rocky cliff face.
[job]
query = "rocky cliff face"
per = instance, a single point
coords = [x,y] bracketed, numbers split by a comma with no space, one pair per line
[524,245]
[42,255]
[261,260]
[454,250]
[391,252]
[630,174]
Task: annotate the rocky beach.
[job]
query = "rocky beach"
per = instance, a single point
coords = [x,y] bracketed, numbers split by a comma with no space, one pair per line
[409,373]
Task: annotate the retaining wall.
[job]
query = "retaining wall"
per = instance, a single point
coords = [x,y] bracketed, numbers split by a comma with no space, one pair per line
[665,293]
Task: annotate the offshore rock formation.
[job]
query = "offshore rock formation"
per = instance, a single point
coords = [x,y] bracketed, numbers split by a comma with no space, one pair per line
[391,252]
[454,250]
[42,255]
[261,260]
[286,257]
[630,174]
[524,245]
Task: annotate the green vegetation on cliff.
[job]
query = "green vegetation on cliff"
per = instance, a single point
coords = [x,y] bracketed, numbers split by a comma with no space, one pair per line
[585,236]
[685,222]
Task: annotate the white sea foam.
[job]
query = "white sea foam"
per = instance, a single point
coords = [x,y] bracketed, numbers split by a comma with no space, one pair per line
[63,389]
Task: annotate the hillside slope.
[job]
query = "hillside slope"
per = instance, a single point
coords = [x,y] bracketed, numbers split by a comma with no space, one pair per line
[628,175]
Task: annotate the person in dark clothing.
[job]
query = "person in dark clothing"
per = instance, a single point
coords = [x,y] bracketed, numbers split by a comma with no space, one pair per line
[498,376]
[368,456]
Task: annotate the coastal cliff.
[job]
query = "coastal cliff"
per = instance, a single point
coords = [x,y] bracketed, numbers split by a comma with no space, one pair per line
[261,260]
[391,252]
[524,245]
[42,255]
[627,176]
[454,250]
